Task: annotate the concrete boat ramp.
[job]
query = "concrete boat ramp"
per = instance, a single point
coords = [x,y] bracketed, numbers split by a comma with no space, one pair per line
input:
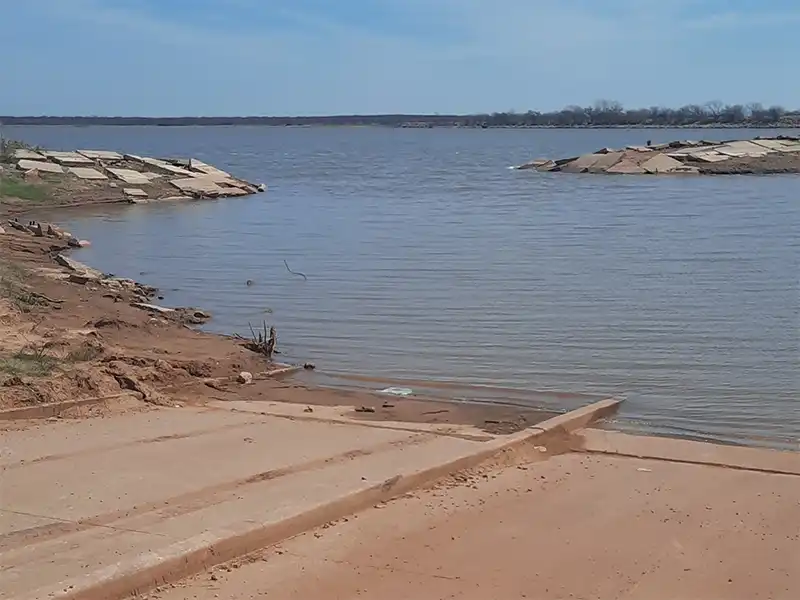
[108,508]
[758,156]
[130,177]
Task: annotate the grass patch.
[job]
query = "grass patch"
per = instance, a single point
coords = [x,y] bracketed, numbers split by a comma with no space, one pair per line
[86,353]
[28,363]
[12,287]
[9,147]
[12,187]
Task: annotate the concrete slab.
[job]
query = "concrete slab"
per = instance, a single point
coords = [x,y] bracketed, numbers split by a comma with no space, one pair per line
[23,153]
[104,155]
[734,153]
[744,148]
[162,165]
[582,163]
[130,176]
[198,185]
[606,161]
[38,165]
[68,158]
[661,163]
[134,192]
[234,191]
[86,173]
[708,157]
[533,164]
[692,150]
[206,169]
[548,166]
[626,167]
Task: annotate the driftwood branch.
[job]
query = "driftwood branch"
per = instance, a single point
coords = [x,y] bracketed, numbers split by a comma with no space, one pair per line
[295,272]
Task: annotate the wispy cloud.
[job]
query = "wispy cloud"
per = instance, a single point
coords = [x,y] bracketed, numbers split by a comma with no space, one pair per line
[301,56]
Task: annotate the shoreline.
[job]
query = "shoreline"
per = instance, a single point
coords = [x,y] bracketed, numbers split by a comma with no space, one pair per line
[273,380]
[132,345]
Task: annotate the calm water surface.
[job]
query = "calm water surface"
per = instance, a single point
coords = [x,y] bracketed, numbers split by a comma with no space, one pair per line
[428,259]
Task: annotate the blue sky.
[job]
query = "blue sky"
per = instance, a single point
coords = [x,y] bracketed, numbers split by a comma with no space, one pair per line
[291,57]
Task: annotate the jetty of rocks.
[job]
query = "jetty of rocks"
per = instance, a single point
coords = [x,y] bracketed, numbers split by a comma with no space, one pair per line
[129,177]
[757,156]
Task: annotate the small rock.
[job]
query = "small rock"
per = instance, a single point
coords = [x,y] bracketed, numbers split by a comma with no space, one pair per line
[2,231]
[261,187]
[245,378]
[84,243]
[308,409]
[365,409]
[309,366]
[55,232]
[80,279]
[52,419]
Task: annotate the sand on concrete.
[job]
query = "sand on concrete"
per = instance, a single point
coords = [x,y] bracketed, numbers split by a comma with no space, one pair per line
[573,526]
[105,508]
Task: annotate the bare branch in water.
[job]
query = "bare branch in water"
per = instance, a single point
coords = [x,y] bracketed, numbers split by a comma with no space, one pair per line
[262,343]
[294,272]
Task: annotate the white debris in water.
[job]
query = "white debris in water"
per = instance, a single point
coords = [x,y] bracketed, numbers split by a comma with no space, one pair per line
[397,391]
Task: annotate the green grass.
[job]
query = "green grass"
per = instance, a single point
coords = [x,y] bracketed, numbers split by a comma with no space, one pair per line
[28,363]
[12,187]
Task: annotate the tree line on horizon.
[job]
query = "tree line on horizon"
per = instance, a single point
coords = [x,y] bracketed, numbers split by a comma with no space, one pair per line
[603,113]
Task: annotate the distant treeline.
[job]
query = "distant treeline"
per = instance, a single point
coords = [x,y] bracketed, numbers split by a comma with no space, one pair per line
[601,114]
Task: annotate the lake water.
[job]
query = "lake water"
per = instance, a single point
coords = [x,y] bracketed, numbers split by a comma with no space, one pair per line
[429,260]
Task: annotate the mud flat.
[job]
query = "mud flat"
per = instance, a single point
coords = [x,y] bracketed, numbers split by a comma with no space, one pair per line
[98,176]
[760,156]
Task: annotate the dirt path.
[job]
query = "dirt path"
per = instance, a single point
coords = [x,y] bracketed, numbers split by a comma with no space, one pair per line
[574,526]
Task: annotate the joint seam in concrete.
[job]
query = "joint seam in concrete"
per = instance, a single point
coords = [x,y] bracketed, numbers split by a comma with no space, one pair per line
[687,461]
